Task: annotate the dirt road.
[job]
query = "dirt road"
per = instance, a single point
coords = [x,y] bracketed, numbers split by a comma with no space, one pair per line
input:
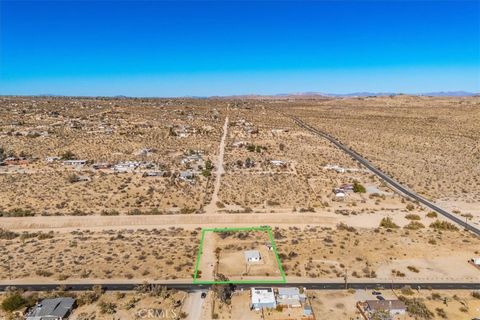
[212,206]
[191,221]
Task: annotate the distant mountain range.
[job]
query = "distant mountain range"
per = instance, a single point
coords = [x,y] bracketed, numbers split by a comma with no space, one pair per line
[322,95]
[382,94]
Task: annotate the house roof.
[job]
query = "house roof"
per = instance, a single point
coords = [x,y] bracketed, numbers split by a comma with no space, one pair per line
[288,291]
[252,255]
[262,295]
[57,307]
[385,304]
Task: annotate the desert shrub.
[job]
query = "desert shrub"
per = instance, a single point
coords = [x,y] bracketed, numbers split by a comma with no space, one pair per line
[443,225]
[407,291]
[432,214]
[43,273]
[17,212]
[89,297]
[343,226]
[417,308]
[14,301]
[414,225]
[412,216]
[7,235]
[109,213]
[388,223]
[441,313]
[476,294]
[107,307]
[410,207]
[68,155]
[358,188]
[413,269]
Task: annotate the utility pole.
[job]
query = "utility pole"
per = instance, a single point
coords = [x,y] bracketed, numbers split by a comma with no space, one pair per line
[345,277]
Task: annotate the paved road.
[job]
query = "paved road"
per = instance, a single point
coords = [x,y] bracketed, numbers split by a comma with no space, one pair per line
[316,286]
[394,184]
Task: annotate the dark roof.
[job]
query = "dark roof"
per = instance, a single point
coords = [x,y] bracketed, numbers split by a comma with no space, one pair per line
[57,307]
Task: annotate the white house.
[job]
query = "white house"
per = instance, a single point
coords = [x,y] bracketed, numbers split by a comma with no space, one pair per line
[476,261]
[74,162]
[252,256]
[290,297]
[394,307]
[263,298]
[278,163]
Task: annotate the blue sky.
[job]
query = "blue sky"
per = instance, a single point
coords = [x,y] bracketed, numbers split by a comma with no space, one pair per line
[177,48]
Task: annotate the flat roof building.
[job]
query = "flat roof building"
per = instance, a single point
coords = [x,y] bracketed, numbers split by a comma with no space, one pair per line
[263,298]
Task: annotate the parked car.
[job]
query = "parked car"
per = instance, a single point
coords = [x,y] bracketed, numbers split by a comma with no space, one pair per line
[203,295]
[376,293]
[380,298]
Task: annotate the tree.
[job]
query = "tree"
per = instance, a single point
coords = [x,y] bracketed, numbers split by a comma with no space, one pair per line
[2,153]
[13,301]
[358,188]
[223,291]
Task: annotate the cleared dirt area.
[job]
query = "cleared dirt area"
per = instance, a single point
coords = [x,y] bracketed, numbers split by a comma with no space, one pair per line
[224,254]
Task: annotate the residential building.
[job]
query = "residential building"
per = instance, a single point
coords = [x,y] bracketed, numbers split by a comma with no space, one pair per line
[252,256]
[52,309]
[290,297]
[74,162]
[263,298]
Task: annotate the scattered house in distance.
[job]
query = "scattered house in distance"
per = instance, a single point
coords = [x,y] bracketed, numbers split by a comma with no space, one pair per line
[186,175]
[127,166]
[278,163]
[290,297]
[74,163]
[369,307]
[347,187]
[263,298]
[145,152]
[155,174]
[252,256]
[14,161]
[101,165]
[340,194]
[239,144]
[52,159]
[52,309]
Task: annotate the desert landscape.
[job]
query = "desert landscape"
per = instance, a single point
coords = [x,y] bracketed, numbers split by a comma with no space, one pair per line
[118,190]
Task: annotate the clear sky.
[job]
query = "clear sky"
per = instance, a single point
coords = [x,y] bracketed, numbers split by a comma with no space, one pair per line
[177,48]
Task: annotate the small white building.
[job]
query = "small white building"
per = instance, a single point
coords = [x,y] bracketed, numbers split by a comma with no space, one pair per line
[126,166]
[278,163]
[187,175]
[74,162]
[252,256]
[263,298]
[476,261]
[290,297]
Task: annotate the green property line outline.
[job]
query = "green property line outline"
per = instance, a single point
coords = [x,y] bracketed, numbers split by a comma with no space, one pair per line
[274,247]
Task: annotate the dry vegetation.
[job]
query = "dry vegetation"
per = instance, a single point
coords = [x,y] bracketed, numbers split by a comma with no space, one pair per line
[156,254]
[96,304]
[386,254]
[430,144]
